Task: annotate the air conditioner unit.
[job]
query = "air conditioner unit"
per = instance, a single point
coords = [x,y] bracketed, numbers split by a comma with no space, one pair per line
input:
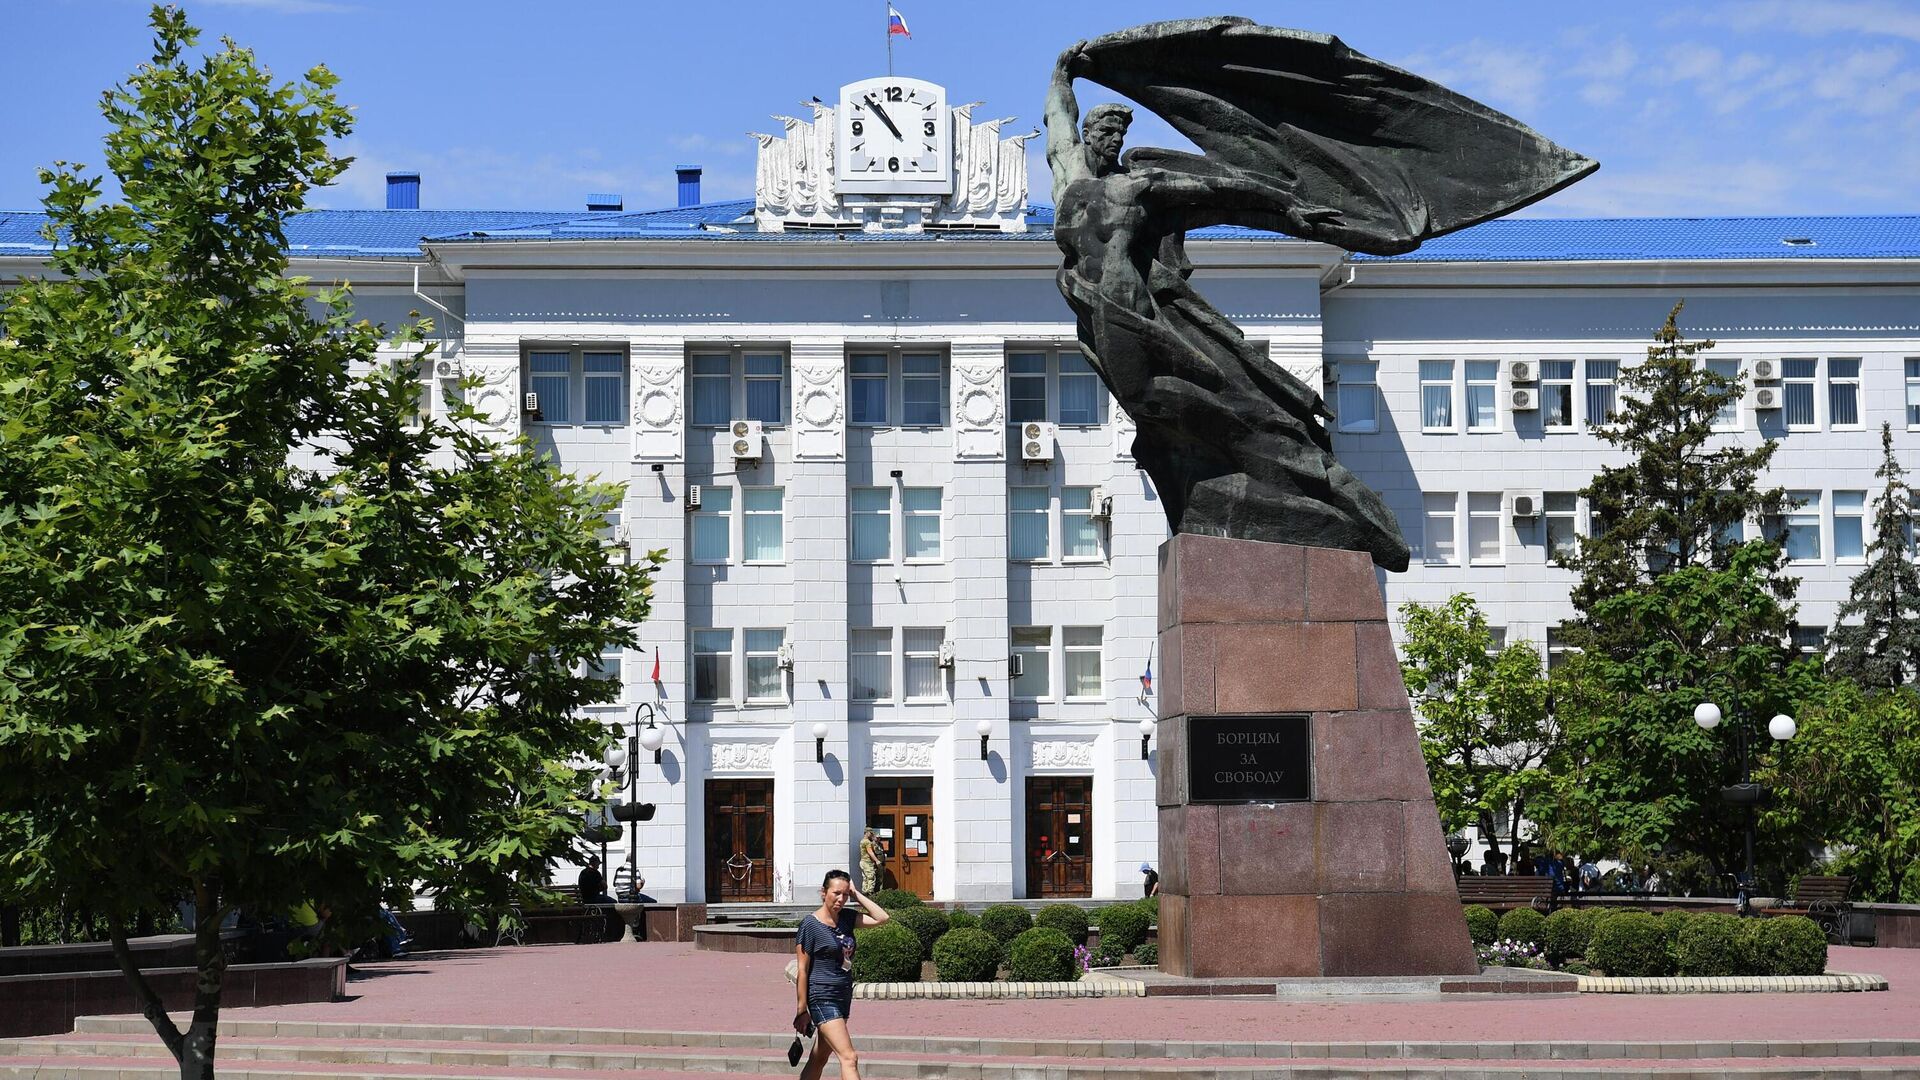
[1524,399]
[1525,504]
[1763,370]
[1101,503]
[945,659]
[783,656]
[1764,397]
[1016,666]
[747,436]
[530,404]
[1523,371]
[693,496]
[1036,442]
[446,369]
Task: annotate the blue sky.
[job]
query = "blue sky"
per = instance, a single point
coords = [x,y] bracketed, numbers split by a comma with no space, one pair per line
[1703,107]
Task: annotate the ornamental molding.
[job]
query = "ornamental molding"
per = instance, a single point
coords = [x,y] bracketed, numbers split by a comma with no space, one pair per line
[743,757]
[497,397]
[978,404]
[658,370]
[1062,754]
[916,756]
[819,399]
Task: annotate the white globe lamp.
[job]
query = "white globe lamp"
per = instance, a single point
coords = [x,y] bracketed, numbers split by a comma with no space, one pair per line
[1707,715]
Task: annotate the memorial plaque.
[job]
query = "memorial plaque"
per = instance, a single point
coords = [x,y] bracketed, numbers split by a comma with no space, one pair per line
[1237,759]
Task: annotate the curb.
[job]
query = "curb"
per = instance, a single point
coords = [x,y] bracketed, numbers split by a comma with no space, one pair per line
[1092,985]
[1836,983]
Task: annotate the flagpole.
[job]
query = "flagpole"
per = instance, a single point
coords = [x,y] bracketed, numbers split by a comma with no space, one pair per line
[888,23]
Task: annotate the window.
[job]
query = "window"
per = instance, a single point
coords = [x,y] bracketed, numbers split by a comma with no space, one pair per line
[1083,661]
[1082,401]
[1562,523]
[1027,538]
[1496,640]
[548,376]
[1081,395]
[712,665]
[1728,418]
[923,394]
[605,668]
[1026,387]
[1556,395]
[867,388]
[713,526]
[1808,640]
[1796,377]
[1483,385]
[1803,527]
[1849,526]
[587,387]
[763,665]
[1032,646]
[1436,395]
[1443,548]
[872,524]
[1601,399]
[1358,408]
[737,384]
[420,408]
[1079,536]
[1913,391]
[870,665]
[1843,391]
[1557,648]
[1484,545]
[920,523]
[924,681]
[888,387]
[763,538]
[605,377]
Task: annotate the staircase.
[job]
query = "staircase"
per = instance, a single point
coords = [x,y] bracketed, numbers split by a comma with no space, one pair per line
[124,1048]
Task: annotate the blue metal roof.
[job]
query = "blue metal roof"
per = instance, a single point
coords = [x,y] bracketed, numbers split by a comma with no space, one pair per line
[399,234]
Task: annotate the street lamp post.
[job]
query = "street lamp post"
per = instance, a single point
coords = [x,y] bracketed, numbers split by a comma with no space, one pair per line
[1746,793]
[623,766]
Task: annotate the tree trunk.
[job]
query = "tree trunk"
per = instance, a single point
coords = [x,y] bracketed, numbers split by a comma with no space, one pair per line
[196,1058]
[150,1005]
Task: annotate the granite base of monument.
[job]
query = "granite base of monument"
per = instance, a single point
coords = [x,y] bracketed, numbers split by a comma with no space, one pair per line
[1298,835]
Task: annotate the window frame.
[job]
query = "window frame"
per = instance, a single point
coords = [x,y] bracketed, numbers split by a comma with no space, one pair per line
[1912,369]
[725,668]
[887,656]
[1739,403]
[1812,385]
[1811,513]
[1837,382]
[1341,381]
[1589,381]
[939,516]
[1499,518]
[749,654]
[705,512]
[1490,385]
[894,378]
[748,514]
[1092,525]
[1571,515]
[1451,425]
[1428,500]
[1068,650]
[1043,652]
[1050,380]
[737,380]
[1572,383]
[577,378]
[1858,515]
[908,655]
[886,516]
[1045,513]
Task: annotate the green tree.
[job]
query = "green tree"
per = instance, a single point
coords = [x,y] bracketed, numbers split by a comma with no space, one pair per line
[227,677]
[1876,633]
[1849,782]
[1485,731]
[1674,608]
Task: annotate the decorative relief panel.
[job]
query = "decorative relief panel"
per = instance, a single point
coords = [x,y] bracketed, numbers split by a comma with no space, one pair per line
[979,401]
[1063,754]
[659,418]
[819,399]
[903,757]
[743,757]
[497,398]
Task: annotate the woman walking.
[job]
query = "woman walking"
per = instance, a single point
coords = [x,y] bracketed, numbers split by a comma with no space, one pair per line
[824,948]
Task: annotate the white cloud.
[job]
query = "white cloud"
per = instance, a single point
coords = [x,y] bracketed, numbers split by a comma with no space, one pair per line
[1814,18]
[1503,76]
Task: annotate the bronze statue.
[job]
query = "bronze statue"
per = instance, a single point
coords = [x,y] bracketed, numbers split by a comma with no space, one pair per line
[1301,135]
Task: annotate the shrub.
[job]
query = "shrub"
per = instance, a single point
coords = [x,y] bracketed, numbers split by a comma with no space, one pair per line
[927,924]
[1483,926]
[1787,945]
[1041,954]
[1069,919]
[962,919]
[1123,924]
[1568,932]
[887,953]
[1107,954]
[1671,923]
[1524,925]
[1148,954]
[967,954]
[1714,944]
[1629,945]
[895,899]
[1152,904]
[1006,921]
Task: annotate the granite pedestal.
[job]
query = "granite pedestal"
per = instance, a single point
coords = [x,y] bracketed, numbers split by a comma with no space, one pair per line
[1355,879]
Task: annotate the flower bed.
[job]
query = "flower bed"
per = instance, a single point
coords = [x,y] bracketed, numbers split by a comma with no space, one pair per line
[1627,944]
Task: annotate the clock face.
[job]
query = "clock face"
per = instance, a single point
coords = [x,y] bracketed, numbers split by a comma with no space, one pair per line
[893,136]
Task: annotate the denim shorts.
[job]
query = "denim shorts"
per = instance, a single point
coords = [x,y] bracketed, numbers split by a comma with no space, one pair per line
[825,1005]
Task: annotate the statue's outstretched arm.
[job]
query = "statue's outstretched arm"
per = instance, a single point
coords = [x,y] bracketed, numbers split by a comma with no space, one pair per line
[1064,155]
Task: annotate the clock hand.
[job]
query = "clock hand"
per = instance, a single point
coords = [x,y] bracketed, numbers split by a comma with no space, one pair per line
[882,114]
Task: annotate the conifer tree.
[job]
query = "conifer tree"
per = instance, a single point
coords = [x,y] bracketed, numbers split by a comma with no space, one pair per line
[1876,633]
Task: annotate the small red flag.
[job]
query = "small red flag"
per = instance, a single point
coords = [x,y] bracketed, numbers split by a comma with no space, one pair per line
[656,665]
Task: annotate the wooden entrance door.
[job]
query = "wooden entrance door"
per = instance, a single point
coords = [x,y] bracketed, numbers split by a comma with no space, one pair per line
[1059,836]
[900,813]
[739,840]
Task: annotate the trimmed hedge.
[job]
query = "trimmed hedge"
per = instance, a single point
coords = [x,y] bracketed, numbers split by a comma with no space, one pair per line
[1568,932]
[1671,923]
[1006,921]
[1627,944]
[1715,944]
[1148,953]
[895,899]
[1124,924]
[962,919]
[1787,945]
[887,953]
[1069,919]
[927,924]
[1107,954]
[1483,926]
[1524,925]
[1041,954]
[967,954]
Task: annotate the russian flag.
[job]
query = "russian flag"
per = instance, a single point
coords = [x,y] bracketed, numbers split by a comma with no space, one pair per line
[1146,680]
[896,22]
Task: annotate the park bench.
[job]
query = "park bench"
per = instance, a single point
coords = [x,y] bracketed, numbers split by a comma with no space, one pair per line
[1824,900]
[1502,893]
[562,921]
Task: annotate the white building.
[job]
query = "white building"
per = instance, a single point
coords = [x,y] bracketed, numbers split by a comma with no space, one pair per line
[846,369]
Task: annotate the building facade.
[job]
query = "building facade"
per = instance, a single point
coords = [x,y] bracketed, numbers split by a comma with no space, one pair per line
[912,566]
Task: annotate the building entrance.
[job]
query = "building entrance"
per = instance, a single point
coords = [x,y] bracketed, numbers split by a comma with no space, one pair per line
[900,813]
[739,840]
[1059,836]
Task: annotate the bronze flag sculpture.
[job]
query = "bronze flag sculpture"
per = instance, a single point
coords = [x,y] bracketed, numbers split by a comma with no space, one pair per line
[1301,135]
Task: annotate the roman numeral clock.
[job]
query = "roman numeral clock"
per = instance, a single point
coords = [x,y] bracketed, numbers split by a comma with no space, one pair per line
[894,137]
